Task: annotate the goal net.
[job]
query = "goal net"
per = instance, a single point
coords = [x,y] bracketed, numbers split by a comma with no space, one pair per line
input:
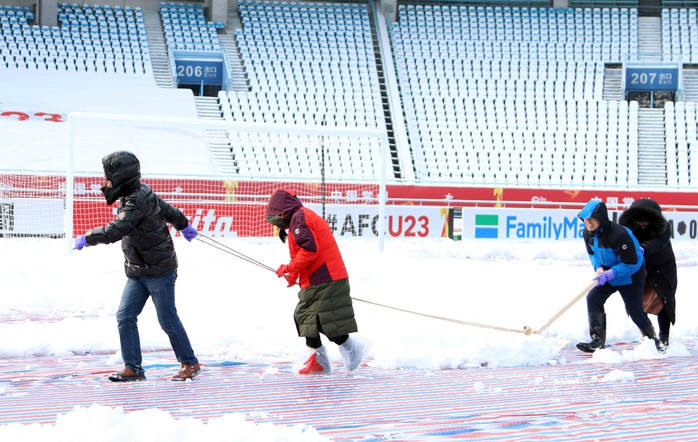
[31,204]
[219,173]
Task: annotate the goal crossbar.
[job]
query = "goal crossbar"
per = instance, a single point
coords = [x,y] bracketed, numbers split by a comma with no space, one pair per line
[76,118]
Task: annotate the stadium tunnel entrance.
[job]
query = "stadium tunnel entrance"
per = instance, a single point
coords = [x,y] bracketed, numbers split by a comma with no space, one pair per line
[651,84]
[202,90]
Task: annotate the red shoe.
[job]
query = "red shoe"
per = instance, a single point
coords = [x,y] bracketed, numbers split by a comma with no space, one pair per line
[317,363]
[311,366]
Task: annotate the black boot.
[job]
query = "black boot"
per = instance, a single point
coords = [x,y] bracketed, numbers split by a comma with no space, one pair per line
[664,338]
[597,330]
[653,336]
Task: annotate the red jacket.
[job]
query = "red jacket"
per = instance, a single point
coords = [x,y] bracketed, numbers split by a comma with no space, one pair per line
[313,249]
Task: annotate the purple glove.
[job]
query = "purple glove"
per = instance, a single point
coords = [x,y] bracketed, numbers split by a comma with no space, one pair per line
[642,250]
[189,232]
[80,242]
[603,278]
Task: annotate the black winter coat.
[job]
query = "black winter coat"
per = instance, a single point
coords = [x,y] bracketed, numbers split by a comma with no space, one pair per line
[141,225]
[655,238]
[141,220]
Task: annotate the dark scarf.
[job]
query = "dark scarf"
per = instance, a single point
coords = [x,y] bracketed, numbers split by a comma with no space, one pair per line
[111,194]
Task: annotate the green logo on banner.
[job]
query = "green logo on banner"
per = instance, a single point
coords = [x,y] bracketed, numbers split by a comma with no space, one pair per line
[486,226]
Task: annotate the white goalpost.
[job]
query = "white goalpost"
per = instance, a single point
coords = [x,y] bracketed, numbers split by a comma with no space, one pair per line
[221,173]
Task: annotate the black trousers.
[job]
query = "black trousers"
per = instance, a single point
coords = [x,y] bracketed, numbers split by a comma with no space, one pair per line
[632,298]
[316,342]
[664,321]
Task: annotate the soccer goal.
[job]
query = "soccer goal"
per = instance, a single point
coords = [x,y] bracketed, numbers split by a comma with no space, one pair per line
[221,173]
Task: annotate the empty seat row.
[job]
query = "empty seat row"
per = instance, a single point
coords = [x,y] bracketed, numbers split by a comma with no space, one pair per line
[466,68]
[285,156]
[309,63]
[90,38]
[186,28]
[680,35]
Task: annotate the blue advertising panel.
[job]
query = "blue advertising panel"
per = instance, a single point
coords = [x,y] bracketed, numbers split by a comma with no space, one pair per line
[196,71]
[651,78]
[553,224]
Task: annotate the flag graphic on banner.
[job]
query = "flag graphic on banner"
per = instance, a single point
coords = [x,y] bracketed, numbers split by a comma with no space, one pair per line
[486,226]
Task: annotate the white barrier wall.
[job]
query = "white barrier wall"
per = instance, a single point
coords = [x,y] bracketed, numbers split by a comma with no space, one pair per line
[555,224]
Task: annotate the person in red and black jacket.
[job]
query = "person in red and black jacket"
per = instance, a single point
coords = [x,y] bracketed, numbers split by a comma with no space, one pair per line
[324,301]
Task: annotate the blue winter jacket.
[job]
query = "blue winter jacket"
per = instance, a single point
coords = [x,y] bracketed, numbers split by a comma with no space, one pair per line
[613,246]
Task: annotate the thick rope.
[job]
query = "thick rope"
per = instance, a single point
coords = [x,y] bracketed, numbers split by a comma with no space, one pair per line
[441,318]
[229,250]
[574,300]
[525,330]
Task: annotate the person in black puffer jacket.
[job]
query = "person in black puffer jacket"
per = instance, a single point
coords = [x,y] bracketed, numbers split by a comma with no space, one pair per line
[644,217]
[150,263]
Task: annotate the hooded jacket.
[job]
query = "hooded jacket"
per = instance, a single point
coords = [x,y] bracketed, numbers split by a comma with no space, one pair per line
[324,301]
[612,246]
[655,238]
[141,220]
[313,249]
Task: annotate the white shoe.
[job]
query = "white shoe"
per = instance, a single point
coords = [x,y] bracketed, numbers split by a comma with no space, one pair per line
[353,352]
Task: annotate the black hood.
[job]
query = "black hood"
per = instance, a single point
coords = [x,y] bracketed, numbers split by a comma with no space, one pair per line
[644,210]
[124,171]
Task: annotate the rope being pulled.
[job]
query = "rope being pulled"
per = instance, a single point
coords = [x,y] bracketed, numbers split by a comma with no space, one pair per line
[231,251]
[525,330]
[441,318]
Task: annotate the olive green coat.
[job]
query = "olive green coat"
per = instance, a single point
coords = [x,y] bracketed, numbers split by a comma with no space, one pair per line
[325,308]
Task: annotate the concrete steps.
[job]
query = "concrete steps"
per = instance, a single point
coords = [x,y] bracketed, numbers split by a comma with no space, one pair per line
[209,108]
[613,84]
[159,57]
[651,138]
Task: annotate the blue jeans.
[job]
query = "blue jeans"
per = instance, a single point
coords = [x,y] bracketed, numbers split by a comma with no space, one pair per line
[133,298]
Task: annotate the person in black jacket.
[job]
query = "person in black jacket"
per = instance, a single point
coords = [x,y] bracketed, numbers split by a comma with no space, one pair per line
[644,217]
[150,263]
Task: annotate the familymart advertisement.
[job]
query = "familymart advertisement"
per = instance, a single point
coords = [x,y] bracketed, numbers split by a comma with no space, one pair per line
[555,224]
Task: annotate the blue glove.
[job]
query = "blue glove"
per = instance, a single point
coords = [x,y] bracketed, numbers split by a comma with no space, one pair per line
[642,250]
[189,232]
[80,242]
[603,278]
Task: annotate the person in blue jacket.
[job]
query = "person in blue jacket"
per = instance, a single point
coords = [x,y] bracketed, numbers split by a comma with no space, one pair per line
[618,260]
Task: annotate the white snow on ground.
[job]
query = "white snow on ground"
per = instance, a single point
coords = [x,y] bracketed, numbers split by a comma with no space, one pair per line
[234,310]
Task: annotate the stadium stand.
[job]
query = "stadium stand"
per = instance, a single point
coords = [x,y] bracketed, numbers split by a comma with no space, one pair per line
[528,75]
[307,64]
[487,94]
[186,27]
[89,39]
[681,144]
[106,39]
[315,62]
[680,35]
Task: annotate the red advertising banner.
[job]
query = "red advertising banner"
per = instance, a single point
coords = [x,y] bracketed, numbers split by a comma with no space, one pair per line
[539,197]
[236,208]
